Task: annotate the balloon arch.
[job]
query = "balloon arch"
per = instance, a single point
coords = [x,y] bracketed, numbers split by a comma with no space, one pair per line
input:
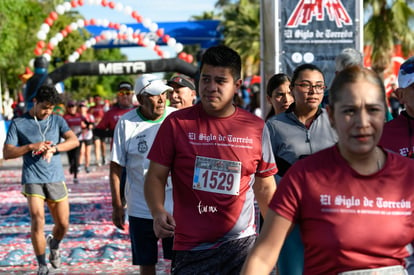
[148,40]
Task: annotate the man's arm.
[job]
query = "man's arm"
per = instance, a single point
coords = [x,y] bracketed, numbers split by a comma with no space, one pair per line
[264,254]
[154,190]
[264,188]
[118,213]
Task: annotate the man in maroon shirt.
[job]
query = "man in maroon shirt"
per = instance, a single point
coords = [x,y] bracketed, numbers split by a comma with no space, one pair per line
[106,126]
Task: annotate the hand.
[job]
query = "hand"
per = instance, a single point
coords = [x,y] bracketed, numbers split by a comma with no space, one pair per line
[41,147]
[164,225]
[118,217]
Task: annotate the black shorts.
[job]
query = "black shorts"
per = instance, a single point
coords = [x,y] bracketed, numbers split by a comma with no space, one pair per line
[144,243]
[226,259]
[87,141]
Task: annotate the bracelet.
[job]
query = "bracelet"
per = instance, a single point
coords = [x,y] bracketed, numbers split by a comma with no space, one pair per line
[56,148]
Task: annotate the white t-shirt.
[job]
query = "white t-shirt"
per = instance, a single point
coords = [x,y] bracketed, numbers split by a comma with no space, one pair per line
[133,138]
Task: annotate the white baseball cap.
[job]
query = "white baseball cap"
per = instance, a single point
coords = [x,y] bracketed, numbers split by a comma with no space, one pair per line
[406,73]
[148,83]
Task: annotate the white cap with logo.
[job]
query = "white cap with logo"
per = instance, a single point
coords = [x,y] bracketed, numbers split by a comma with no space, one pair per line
[406,73]
[148,83]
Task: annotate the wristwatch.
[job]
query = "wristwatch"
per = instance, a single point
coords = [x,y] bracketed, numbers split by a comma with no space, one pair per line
[56,148]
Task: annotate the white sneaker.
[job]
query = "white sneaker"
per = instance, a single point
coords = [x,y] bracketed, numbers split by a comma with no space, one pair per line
[54,256]
[43,270]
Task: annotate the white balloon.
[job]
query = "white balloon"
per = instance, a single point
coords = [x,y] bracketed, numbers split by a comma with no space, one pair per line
[71,59]
[73,26]
[153,27]
[41,35]
[47,57]
[54,41]
[76,55]
[45,28]
[98,22]
[130,30]
[178,47]
[145,41]
[146,22]
[171,42]
[88,43]
[166,54]
[31,62]
[60,9]
[128,10]
[93,41]
[105,22]
[151,44]
[80,23]
[59,36]
[122,28]
[67,6]
[119,6]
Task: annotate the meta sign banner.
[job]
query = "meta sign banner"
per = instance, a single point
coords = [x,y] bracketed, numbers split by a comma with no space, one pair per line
[316,31]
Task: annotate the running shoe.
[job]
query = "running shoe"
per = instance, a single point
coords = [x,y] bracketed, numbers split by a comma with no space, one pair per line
[54,256]
[43,270]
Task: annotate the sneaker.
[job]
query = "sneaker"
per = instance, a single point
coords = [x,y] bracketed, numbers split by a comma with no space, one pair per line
[54,256]
[87,170]
[43,270]
[75,181]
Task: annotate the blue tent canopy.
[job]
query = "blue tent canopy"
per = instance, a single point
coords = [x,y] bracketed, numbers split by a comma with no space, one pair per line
[207,33]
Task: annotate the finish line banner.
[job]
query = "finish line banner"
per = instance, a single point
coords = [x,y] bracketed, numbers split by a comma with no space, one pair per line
[316,31]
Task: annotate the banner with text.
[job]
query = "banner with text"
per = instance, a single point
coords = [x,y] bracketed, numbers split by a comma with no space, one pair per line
[316,31]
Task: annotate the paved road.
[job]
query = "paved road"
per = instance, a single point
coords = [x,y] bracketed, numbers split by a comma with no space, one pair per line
[93,245]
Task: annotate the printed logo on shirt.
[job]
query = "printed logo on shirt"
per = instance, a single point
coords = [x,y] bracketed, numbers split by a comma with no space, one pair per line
[142,146]
[364,205]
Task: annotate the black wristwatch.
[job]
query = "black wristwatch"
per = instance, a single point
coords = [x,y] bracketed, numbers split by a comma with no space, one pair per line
[56,148]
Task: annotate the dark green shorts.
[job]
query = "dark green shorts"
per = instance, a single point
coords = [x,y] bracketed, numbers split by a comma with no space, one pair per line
[55,191]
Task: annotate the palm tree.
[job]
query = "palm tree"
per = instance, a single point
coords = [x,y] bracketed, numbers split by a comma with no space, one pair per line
[241,29]
[389,25]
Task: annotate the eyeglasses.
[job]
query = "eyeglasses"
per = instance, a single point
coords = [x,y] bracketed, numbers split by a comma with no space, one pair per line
[317,89]
[121,93]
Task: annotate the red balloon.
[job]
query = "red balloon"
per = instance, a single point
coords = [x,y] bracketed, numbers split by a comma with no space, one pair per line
[81,2]
[104,3]
[190,58]
[139,18]
[157,48]
[93,21]
[49,21]
[134,14]
[182,55]
[165,38]
[50,46]
[83,47]
[160,32]
[40,44]
[38,51]
[53,15]
[86,22]
[111,5]
[68,29]
[49,52]
[74,3]
[117,26]
[80,51]
[64,33]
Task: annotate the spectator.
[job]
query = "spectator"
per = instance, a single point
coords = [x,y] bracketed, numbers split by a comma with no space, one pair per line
[347,58]
[219,159]
[36,136]
[278,94]
[300,131]
[133,137]
[105,128]
[398,134]
[86,137]
[97,111]
[184,93]
[74,120]
[353,200]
